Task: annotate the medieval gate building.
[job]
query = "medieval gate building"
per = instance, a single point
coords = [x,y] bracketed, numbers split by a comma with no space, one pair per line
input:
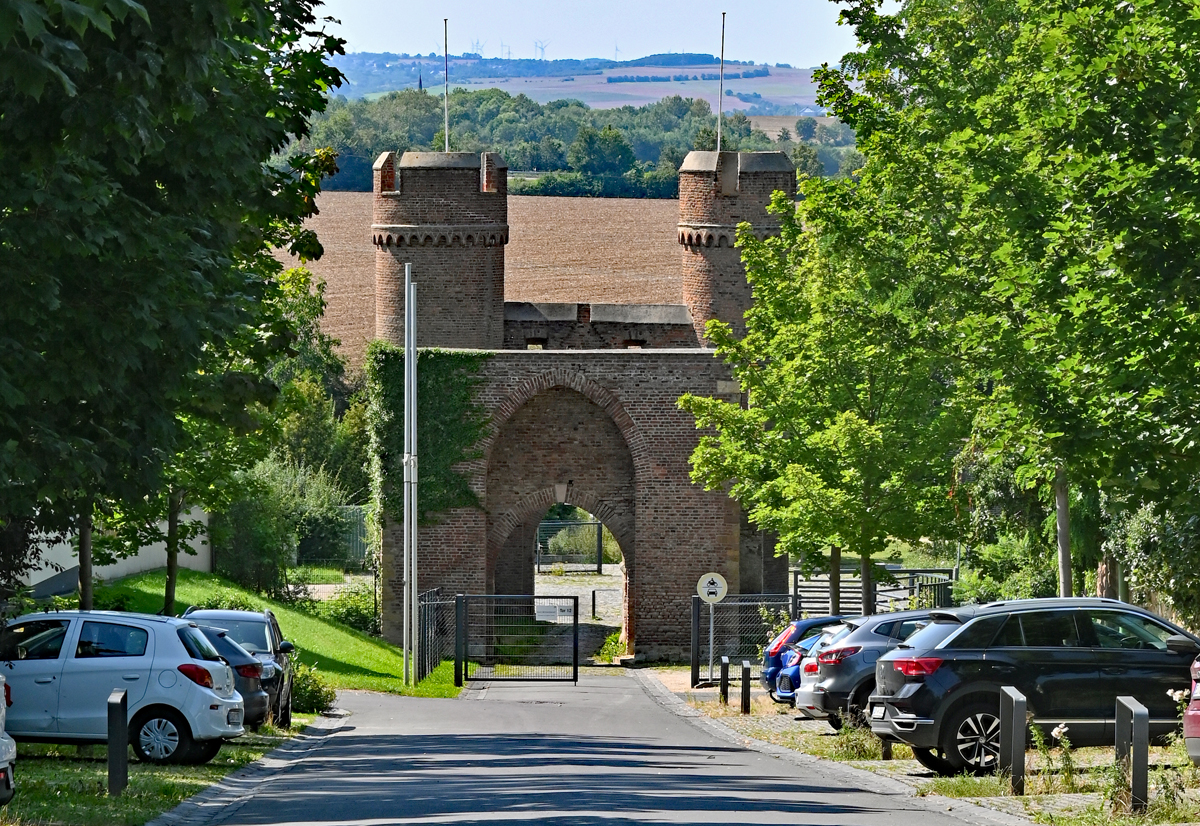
[581,398]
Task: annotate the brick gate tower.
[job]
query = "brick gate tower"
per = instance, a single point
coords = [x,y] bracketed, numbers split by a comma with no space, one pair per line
[717,191]
[446,213]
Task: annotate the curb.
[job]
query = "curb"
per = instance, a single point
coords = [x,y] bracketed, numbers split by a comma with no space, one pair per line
[838,774]
[232,791]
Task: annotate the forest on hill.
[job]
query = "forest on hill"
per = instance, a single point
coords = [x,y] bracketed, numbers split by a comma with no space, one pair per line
[629,151]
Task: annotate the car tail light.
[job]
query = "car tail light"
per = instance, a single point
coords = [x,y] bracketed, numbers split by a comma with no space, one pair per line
[792,658]
[783,639]
[7,695]
[250,670]
[198,674]
[810,667]
[833,656]
[917,666]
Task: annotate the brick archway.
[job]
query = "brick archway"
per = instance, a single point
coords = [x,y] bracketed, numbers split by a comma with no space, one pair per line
[560,444]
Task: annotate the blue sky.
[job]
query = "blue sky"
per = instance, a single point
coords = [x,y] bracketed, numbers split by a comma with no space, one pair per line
[800,32]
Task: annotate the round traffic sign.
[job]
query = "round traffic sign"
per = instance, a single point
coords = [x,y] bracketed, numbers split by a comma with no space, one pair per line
[712,587]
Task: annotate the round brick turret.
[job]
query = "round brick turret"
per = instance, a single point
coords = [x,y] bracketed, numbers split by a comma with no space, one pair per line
[717,191]
[446,213]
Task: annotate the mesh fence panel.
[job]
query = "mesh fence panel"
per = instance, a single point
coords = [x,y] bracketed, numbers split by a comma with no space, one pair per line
[741,627]
[521,638]
[435,631]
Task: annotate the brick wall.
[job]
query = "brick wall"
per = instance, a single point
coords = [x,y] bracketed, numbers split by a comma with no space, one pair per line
[596,327]
[576,426]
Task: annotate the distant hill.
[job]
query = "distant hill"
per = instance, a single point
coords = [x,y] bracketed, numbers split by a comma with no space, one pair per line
[757,89]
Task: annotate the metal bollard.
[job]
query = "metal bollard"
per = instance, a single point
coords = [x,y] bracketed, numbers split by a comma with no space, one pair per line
[745,686]
[1012,737]
[885,750]
[118,742]
[724,681]
[1133,749]
[695,640]
[460,638]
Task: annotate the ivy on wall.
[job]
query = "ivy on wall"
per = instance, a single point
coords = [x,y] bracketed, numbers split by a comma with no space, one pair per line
[450,425]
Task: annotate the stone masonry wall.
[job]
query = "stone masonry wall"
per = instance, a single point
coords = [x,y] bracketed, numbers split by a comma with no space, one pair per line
[548,445]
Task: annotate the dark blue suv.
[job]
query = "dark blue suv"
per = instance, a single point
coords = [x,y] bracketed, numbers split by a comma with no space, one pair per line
[777,648]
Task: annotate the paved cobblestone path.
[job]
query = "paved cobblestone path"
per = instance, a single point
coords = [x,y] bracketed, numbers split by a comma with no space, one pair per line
[607,751]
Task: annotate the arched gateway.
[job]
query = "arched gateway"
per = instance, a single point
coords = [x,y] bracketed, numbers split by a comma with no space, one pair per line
[599,427]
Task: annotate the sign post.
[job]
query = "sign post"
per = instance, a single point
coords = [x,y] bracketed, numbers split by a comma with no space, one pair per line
[712,588]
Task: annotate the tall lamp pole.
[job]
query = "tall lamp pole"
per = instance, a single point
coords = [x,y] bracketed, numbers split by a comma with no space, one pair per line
[411,631]
[721,87]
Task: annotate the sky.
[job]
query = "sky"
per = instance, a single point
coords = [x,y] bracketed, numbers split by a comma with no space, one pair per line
[799,32]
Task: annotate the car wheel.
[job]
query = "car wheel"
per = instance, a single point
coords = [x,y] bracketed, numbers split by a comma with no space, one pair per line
[202,751]
[932,761]
[970,738]
[160,736]
[835,721]
[856,706]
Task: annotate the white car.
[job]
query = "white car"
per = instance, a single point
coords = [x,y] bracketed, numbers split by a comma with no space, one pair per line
[8,754]
[62,667]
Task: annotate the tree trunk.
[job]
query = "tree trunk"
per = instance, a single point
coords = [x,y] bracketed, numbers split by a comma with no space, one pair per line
[1063,518]
[835,580]
[174,507]
[1107,575]
[85,558]
[868,587]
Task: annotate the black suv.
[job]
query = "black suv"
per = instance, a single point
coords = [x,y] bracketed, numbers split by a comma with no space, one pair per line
[939,691]
[258,632]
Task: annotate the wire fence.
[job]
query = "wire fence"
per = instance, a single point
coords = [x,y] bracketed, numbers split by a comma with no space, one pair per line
[436,624]
[912,588]
[517,638]
[737,627]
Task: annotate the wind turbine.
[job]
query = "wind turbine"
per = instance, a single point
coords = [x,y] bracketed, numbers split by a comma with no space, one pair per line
[539,46]
[477,47]
[616,52]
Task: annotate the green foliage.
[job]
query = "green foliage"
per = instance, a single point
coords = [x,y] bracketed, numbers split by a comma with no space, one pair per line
[354,605]
[846,439]
[604,152]
[452,423]
[856,743]
[290,513]
[582,541]
[311,692]
[1011,568]
[806,129]
[225,599]
[637,183]
[612,648]
[804,156]
[137,221]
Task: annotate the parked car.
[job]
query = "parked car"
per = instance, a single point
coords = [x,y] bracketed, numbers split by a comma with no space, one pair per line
[8,752]
[844,674]
[776,650]
[1191,717]
[63,666]
[1071,658]
[801,670]
[247,675]
[258,632]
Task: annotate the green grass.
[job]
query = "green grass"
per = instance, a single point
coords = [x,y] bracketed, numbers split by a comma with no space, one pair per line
[313,575]
[66,784]
[347,658]
[966,785]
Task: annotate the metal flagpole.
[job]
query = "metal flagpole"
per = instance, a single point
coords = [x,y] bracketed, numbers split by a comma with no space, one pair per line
[721,87]
[411,366]
[408,514]
[446,54]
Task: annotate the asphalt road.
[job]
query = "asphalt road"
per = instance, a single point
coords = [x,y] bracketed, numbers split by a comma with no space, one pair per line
[603,752]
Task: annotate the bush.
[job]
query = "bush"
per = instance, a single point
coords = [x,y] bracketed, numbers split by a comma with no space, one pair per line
[354,606]
[310,692]
[227,600]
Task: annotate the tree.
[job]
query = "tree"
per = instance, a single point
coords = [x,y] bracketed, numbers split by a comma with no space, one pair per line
[804,156]
[806,129]
[1046,154]
[136,223]
[784,136]
[606,152]
[847,438]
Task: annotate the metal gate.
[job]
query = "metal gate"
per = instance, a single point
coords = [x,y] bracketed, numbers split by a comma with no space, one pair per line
[503,637]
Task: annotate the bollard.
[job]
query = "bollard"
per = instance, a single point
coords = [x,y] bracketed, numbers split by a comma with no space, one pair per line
[460,641]
[885,750]
[695,640]
[594,614]
[724,681]
[1133,749]
[118,742]
[745,686]
[1012,737]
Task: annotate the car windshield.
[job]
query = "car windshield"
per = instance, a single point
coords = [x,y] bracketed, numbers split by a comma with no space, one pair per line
[249,634]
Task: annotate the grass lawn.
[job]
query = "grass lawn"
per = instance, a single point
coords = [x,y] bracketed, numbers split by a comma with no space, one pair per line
[314,575]
[347,658]
[67,784]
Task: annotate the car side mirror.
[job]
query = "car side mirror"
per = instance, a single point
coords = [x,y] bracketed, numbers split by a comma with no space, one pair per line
[286,647]
[1182,645]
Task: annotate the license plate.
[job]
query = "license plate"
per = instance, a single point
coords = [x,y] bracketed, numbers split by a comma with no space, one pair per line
[235,717]
[876,712]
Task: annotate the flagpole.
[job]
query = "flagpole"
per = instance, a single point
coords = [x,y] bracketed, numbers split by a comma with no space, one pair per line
[721,88]
[415,521]
[446,55]
[408,514]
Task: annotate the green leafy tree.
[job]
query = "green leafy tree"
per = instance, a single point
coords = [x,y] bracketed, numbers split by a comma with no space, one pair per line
[806,160]
[847,437]
[806,129]
[1043,155]
[136,224]
[604,152]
